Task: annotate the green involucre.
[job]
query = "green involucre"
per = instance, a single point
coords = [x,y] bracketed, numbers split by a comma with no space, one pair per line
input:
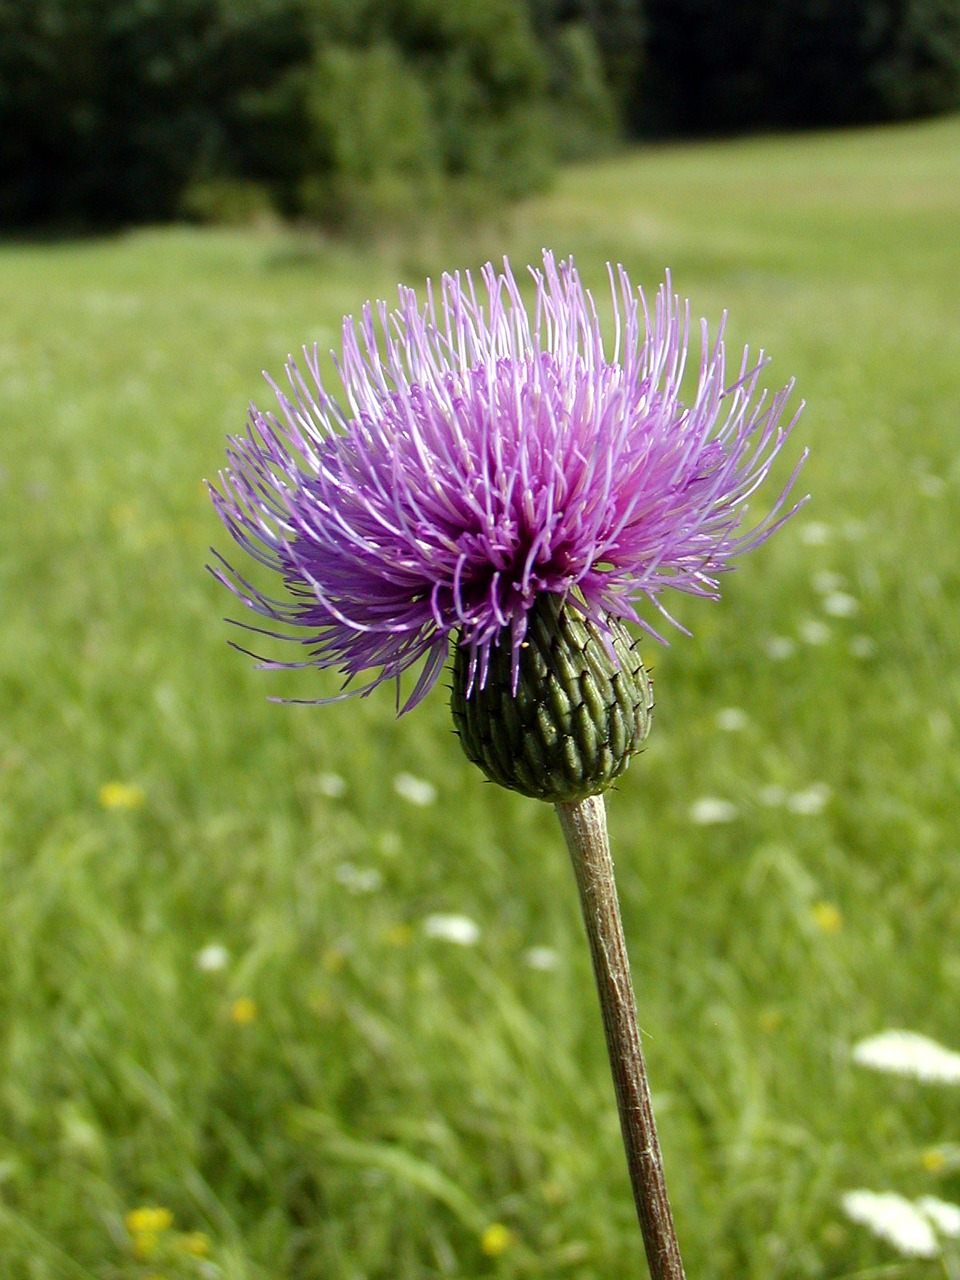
[578,715]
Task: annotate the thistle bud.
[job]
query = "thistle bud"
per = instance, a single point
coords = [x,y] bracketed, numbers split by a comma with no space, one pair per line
[581,708]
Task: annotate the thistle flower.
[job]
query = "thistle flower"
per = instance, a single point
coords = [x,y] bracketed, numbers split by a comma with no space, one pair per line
[490,475]
[483,456]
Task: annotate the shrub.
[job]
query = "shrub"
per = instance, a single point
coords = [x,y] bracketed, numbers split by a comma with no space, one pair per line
[583,110]
[375,152]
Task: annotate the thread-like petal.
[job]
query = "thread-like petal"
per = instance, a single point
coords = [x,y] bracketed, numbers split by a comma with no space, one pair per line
[480,455]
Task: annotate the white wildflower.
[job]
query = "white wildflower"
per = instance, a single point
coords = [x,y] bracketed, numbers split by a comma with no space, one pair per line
[453,928]
[331,785]
[415,790]
[212,958]
[732,719]
[711,810]
[358,879]
[944,1215]
[840,604]
[779,648]
[543,958]
[893,1218]
[815,533]
[907,1053]
[811,801]
[813,631]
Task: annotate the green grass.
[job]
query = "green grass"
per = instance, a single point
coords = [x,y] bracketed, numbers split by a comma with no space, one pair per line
[394,1094]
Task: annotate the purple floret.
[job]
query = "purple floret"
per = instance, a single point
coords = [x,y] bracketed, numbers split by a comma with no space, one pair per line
[481,454]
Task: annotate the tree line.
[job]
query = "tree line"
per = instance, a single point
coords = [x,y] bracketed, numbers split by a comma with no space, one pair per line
[352,112]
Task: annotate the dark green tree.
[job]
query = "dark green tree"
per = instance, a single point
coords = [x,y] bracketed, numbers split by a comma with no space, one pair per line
[114,111]
[616,29]
[108,108]
[746,64]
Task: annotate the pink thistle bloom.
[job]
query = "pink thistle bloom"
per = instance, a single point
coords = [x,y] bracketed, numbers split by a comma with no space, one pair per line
[481,454]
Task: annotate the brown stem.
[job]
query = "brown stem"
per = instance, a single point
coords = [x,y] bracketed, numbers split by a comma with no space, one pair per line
[584,826]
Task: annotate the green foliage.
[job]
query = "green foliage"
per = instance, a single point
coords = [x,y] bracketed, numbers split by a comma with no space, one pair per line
[259,81]
[371,113]
[389,1096]
[917,65]
[229,202]
[583,111]
[610,35]
[120,110]
[374,137]
[486,76]
[109,108]
[414,104]
[99,109]
[797,63]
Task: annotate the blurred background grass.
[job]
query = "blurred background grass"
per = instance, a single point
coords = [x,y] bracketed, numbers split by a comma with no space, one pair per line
[335,1091]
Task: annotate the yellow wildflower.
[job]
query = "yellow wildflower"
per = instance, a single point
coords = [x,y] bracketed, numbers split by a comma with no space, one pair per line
[148,1220]
[496,1239]
[196,1243]
[145,1245]
[933,1160]
[121,795]
[827,916]
[243,1010]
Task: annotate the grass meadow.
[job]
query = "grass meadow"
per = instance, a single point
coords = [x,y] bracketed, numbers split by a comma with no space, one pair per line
[235,1040]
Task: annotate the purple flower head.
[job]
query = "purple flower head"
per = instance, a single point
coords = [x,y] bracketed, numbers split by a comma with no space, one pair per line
[481,454]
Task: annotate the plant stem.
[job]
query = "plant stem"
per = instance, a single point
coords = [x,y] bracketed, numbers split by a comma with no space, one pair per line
[584,826]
